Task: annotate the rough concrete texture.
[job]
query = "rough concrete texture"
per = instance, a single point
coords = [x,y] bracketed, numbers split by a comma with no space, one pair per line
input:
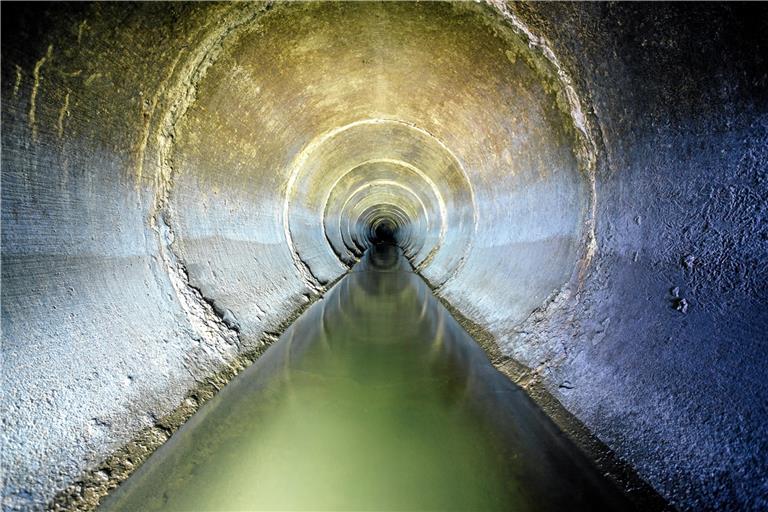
[662,350]
[587,183]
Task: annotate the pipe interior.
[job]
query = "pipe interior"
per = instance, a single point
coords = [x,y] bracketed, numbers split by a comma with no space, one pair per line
[181,180]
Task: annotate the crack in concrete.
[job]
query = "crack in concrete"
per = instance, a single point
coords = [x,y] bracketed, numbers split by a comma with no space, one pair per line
[315,283]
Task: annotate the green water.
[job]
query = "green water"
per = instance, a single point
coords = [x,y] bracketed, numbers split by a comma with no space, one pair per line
[375,399]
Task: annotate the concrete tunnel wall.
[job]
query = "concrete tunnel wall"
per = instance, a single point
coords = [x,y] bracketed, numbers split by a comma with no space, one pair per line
[585,184]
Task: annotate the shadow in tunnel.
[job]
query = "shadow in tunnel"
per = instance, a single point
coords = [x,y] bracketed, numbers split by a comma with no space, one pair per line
[384,232]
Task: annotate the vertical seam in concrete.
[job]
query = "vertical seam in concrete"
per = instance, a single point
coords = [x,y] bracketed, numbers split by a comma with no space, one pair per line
[199,310]
[587,150]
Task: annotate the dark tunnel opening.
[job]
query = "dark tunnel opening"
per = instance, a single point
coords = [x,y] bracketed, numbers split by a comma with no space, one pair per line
[384,231]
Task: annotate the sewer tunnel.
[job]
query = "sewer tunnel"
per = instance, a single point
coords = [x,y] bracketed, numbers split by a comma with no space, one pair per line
[582,186]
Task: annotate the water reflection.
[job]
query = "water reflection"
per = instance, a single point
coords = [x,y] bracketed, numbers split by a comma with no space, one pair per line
[375,399]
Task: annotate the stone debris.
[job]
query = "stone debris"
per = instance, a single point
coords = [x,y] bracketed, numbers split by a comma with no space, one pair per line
[681,305]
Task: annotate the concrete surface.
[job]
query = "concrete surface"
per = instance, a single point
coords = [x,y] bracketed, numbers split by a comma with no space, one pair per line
[585,182]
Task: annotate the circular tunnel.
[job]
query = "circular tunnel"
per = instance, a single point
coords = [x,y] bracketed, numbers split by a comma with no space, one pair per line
[480,170]
[181,180]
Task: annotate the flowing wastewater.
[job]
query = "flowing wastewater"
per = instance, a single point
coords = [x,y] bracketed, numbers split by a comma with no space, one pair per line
[375,399]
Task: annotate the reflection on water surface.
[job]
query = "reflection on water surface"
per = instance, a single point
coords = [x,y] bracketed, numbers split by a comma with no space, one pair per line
[375,399]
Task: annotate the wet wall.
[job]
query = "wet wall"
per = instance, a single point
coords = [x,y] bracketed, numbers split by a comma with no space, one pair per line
[584,185]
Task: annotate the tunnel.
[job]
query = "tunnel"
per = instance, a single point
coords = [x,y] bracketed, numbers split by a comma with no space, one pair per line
[581,186]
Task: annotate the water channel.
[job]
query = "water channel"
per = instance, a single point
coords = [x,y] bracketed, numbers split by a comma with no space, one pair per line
[375,399]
